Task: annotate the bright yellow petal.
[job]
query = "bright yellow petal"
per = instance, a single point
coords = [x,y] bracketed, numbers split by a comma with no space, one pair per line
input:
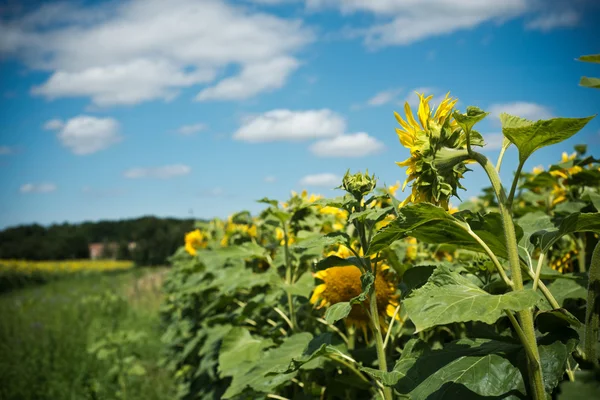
[317,293]
[410,117]
[424,110]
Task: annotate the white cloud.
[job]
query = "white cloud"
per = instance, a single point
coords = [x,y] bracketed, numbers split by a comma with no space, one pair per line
[86,135]
[409,21]
[352,145]
[188,130]
[324,179]
[37,188]
[253,79]
[282,124]
[493,141]
[214,192]
[531,111]
[270,179]
[131,51]
[552,20]
[383,97]
[54,124]
[164,172]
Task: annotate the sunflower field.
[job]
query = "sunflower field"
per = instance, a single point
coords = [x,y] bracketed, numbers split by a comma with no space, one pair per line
[17,273]
[366,297]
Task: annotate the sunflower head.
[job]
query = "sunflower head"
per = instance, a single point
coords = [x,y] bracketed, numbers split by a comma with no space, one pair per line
[433,139]
[341,284]
[195,240]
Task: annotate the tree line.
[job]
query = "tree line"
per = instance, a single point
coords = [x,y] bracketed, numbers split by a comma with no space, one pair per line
[155,240]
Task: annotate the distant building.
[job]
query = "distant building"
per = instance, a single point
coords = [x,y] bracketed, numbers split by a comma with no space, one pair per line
[107,250]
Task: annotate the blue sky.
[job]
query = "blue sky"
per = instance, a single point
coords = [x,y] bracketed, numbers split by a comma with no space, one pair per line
[119,109]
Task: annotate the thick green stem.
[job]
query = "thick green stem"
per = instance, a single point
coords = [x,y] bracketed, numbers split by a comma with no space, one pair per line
[525,316]
[387,391]
[592,312]
[581,256]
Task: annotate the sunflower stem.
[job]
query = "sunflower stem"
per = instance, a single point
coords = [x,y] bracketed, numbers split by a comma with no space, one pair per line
[592,312]
[513,188]
[528,340]
[500,158]
[289,277]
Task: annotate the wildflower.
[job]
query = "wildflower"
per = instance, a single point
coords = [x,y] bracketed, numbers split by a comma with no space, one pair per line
[280,235]
[195,240]
[431,141]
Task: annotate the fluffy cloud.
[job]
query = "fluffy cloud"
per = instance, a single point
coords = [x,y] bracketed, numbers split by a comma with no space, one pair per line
[281,125]
[85,134]
[407,21]
[37,188]
[324,180]
[383,97]
[493,141]
[54,124]
[552,20]
[352,145]
[123,53]
[188,130]
[164,172]
[531,111]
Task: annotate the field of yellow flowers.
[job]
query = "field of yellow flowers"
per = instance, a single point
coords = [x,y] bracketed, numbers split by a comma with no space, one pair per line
[17,273]
[366,297]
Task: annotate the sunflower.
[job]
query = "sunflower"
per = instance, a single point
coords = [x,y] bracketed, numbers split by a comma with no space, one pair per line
[343,284]
[195,240]
[428,137]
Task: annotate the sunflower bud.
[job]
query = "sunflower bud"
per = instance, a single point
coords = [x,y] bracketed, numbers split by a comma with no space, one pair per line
[359,185]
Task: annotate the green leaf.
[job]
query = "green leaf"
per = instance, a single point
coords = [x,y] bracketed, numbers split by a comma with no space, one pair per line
[335,261]
[449,297]
[592,197]
[302,287]
[257,376]
[338,311]
[563,289]
[578,222]
[239,351]
[590,82]
[323,345]
[592,58]
[531,223]
[324,241]
[585,387]
[530,136]
[417,276]
[266,200]
[136,370]
[218,257]
[460,370]
[468,120]
[553,320]
[432,224]
[371,215]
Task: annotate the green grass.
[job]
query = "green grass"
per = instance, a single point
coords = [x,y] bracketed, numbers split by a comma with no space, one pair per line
[46,333]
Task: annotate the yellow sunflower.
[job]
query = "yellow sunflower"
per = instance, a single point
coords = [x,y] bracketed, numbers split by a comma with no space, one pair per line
[341,284]
[195,240]
[431,133]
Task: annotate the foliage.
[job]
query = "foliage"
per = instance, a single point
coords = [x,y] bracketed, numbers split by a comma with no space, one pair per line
[45,332]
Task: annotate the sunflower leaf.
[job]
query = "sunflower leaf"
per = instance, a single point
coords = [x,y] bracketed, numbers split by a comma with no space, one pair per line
[468,120]
[530,136]
[338,311]
[590,82]
[449,297]
[577,222]
[592,58]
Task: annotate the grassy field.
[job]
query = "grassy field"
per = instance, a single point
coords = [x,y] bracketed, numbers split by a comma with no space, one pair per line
[85,337]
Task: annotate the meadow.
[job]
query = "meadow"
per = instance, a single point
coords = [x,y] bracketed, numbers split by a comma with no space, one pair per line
[90,336]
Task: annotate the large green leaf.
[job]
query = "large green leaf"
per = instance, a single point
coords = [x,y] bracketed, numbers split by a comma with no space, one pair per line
[530,136]
[323,345]
[432,224]
[218,257]
[585,387]
[470,118]
[449,297]
[477,368]
[257,377]
[467,368]
[563,289]
[578,222]
[240,350]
